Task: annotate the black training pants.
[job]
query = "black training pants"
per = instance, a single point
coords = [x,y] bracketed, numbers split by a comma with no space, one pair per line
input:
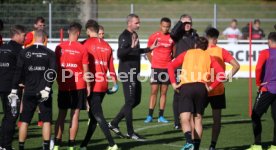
[8,122]
[132,93]
[262,103]
[96,116]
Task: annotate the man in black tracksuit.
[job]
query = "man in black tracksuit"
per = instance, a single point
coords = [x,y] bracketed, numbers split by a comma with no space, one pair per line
[129,52]
[36,67]
[184,36]
[8,59]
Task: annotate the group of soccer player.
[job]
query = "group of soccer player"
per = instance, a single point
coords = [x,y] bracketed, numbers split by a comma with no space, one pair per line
[180,58]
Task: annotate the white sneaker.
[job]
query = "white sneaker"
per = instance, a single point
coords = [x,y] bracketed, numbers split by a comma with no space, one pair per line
[52,143]
[114,147]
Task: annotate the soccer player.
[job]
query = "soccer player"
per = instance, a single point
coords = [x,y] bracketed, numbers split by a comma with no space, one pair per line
[101,61]
[8,59]
[72,62]
[36,68]
[217,96]
[39,24]
[196,70]
[266,83]
[159,58]
[101,32]
[129,53]
[184,36]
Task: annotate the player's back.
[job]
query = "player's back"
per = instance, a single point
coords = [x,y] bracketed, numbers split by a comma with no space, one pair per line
[217,53]
[36,59]
[100,54]
[70,59]
[196,66]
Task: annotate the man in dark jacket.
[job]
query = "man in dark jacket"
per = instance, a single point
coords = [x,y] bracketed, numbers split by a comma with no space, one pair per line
[184,36]
[8,59]
[129,53]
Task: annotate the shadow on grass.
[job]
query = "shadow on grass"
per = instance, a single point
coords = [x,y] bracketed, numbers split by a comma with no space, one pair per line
[209,125]
[127,145]
[223,116]
[265,145]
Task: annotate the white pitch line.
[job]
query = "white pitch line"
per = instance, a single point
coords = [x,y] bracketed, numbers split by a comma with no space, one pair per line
[179,146]
[166,124]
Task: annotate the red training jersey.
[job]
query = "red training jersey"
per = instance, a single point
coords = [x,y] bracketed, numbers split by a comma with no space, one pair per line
[259,72]
[71,56]
[101,60]
[161,55]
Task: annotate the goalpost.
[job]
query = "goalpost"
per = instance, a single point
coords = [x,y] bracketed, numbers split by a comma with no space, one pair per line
[250,72]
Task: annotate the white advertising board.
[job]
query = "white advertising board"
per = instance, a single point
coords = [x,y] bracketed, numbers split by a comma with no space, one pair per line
[239,52]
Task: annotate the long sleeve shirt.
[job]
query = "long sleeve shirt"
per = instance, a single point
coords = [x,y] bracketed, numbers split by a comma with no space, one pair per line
[8,59]
[184,40]
[129,57]
[36,67]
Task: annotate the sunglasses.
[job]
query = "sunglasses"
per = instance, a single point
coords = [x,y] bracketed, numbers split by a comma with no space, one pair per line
[190,23]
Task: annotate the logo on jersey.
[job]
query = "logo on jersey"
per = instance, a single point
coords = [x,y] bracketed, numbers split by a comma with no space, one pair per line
[69,65]
[36,68]
[4,64]
[28,55]
[99,62]
[170,40]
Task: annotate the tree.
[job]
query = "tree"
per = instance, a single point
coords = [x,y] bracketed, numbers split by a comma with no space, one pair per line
[89,10]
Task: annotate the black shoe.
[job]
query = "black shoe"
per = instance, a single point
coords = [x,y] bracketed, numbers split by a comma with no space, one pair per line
[136,137]
[116,130]
[212,148]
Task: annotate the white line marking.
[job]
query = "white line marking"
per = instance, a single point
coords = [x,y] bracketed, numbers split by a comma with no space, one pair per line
[178,146]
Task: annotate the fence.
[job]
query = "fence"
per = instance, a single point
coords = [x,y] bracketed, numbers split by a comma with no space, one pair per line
[112,16]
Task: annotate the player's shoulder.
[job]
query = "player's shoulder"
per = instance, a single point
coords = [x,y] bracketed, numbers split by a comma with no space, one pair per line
[78,44]
[125,34]
[157,33]
[51,52]
[91,40]
[63,43]
[228,29]
[106,44]
[264,51]
[31,33]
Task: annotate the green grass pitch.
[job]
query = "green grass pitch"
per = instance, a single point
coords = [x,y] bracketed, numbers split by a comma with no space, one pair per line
[236,133]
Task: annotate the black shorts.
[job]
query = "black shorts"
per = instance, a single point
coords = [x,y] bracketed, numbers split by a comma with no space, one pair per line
[159,76]
[30,103]
[217,102]
[72,99]
[192,97]
[263,101]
